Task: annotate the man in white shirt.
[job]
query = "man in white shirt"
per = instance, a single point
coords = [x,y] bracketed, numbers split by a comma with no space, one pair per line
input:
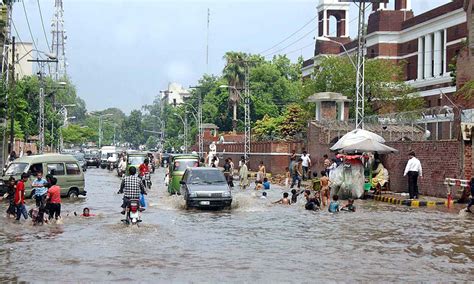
[413,170]
[306,164]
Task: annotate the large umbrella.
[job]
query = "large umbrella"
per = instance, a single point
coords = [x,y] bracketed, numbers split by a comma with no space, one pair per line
[368,145]
[356,136]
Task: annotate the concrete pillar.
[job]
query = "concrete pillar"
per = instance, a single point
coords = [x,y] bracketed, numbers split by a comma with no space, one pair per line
[444,67]
[401,4]
[437,54]
[341,112]
[318,111]
[325,23]
[428,56]
[421,55]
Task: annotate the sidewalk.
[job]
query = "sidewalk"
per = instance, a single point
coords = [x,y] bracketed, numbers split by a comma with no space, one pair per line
[423,201]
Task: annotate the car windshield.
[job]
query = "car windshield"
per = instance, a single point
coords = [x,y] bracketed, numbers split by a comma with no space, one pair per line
[206,177]
[16,169]
[182,165]
[136,160]
[79,156]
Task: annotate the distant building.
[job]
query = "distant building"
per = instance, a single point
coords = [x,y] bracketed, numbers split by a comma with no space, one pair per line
[175,94]
[24,52]
[427,42]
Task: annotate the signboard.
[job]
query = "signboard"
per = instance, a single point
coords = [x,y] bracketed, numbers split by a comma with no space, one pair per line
[467,130]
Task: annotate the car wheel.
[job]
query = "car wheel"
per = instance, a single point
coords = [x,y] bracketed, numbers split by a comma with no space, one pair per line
[73,194]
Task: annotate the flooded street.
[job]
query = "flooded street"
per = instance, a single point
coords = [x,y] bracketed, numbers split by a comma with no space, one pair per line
[253,242]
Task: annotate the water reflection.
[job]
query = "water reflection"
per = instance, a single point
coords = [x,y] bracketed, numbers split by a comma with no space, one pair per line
[254,241]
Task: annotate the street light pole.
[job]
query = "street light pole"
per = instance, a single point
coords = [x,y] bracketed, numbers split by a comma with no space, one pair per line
[184,121]
[246,98]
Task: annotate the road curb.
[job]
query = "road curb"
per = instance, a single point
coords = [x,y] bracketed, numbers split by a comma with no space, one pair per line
[408,202]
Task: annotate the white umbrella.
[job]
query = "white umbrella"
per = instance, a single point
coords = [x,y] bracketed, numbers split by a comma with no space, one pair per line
[356,136]
[368,145]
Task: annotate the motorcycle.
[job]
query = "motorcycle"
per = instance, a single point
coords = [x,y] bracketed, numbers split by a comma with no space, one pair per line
[110,166]
[132,216]
[147,180]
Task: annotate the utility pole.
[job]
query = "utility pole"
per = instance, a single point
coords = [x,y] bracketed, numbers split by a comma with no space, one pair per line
[199,121]
[12,88]
[360,76]
[5,67]
[247,114]
[100,131]
[207,40]
[59,40]
[41,115]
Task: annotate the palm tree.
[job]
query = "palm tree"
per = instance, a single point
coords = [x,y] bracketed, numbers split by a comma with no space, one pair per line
[234,72]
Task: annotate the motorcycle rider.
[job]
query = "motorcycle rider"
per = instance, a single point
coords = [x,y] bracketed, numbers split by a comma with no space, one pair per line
[122,165]
[144,170]
[131,187]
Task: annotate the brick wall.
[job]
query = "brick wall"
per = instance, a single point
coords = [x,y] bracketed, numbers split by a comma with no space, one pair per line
[275,155]
[439,159]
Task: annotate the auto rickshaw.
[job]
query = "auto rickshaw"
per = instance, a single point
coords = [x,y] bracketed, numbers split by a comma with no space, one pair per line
[135,159]
[178,164]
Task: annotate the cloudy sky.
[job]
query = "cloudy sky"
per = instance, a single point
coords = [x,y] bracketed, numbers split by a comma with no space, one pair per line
[122,52]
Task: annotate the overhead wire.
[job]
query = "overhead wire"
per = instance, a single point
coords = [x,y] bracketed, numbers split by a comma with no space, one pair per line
[291,35]
[42,24]
[28,23]
[291,44]
[19,39]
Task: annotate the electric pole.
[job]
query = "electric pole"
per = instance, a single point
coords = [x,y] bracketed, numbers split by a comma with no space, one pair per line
[12,105]
[247,114]
[59,40]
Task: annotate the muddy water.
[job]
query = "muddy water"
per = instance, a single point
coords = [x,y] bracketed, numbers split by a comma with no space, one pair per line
[253,242]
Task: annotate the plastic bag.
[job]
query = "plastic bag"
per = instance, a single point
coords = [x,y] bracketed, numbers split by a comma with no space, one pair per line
[142,201]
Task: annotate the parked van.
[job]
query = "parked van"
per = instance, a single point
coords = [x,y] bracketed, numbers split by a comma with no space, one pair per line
[63,167]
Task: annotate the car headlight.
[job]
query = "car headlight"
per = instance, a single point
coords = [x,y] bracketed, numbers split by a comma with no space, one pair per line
[227,194]
[192,194]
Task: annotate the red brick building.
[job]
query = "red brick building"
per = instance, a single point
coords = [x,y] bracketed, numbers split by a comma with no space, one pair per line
[426,43]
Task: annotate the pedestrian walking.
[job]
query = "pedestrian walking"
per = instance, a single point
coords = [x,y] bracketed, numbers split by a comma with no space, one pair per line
[39,186]
[413,170]
[306,164]
[244,176]
[261,172]
[10,196]
[20,197]
[297,173]
[54,199]
[227,173]
[326,164]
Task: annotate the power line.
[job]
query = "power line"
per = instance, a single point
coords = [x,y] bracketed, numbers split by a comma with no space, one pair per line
[42,24]
[291,44]
[288,37]
[29,27]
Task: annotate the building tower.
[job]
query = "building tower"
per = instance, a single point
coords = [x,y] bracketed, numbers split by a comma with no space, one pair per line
[338,10]
[58,41]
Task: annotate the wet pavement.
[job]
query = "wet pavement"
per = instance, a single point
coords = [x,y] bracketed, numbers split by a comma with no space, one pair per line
[255,241]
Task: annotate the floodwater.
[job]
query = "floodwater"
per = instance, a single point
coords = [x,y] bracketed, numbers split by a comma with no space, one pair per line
[253,242]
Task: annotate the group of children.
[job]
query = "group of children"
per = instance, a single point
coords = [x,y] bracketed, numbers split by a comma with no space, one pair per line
[313,202]
[47,195]
[316,196]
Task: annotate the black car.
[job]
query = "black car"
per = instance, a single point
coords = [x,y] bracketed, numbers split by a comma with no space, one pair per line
[92,160]
[205,188]
[165,157]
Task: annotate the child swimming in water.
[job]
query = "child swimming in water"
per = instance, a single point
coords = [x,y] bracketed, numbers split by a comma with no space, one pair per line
[294,196]
[285,200]
[349,206]
[334,205]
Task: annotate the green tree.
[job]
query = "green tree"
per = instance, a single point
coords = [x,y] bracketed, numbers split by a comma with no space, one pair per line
[385,88]
[132,130]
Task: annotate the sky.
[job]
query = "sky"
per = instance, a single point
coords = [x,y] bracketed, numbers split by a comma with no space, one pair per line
[121,53]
